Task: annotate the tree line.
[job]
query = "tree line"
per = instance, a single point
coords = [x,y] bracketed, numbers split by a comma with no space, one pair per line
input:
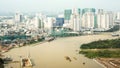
[102,44]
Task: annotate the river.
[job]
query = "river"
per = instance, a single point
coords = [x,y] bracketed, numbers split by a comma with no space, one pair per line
[52,54]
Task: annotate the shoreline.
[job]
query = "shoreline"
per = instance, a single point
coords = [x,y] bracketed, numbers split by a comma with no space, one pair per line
[59,48]
[109,62]
[98,62]
[34,44]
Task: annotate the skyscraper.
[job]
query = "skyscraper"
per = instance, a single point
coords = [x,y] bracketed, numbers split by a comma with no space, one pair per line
[37,22]
[72,19]
[41,17]
[49,24]
[75,20]
[105,20]
[118,15]
[67,15]
[88,20]
[59,22]
[18,17]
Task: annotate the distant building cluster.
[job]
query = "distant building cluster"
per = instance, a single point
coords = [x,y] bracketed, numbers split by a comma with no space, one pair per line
[90,19]
[77,20]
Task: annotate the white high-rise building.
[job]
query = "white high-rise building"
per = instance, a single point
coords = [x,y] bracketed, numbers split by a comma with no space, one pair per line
[111,19]
[49,22]
[118,15]
[72,19]
[48,25]
[88,20]
[18,17]
[37,22]
[75,20]
[34,23]
[105,20]
[42,18]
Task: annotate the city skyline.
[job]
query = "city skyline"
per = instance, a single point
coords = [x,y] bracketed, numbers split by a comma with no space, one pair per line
[56,5]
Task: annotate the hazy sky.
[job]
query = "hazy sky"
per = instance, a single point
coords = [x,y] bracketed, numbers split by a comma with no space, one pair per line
[56,5]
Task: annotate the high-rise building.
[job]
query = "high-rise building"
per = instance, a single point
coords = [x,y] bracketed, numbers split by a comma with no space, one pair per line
[42,19]
[59,22]
[88,20]
[104,20]
[75,20]
[111,19]
[34,23]
[49,24]
[95,21]
[18,17]
[72,19]
[67,15]
[118,15]
[37,22]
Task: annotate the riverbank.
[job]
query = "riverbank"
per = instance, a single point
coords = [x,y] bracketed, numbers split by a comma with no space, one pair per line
[52,54]
[104,52]
[109,62]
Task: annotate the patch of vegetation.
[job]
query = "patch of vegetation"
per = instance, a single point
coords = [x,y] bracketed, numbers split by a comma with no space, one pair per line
[102,44]
[102,48]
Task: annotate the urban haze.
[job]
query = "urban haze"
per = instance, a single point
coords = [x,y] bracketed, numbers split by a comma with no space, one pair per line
[59,34]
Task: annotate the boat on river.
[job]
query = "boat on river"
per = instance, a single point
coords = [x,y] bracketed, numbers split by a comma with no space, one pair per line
[26,62]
